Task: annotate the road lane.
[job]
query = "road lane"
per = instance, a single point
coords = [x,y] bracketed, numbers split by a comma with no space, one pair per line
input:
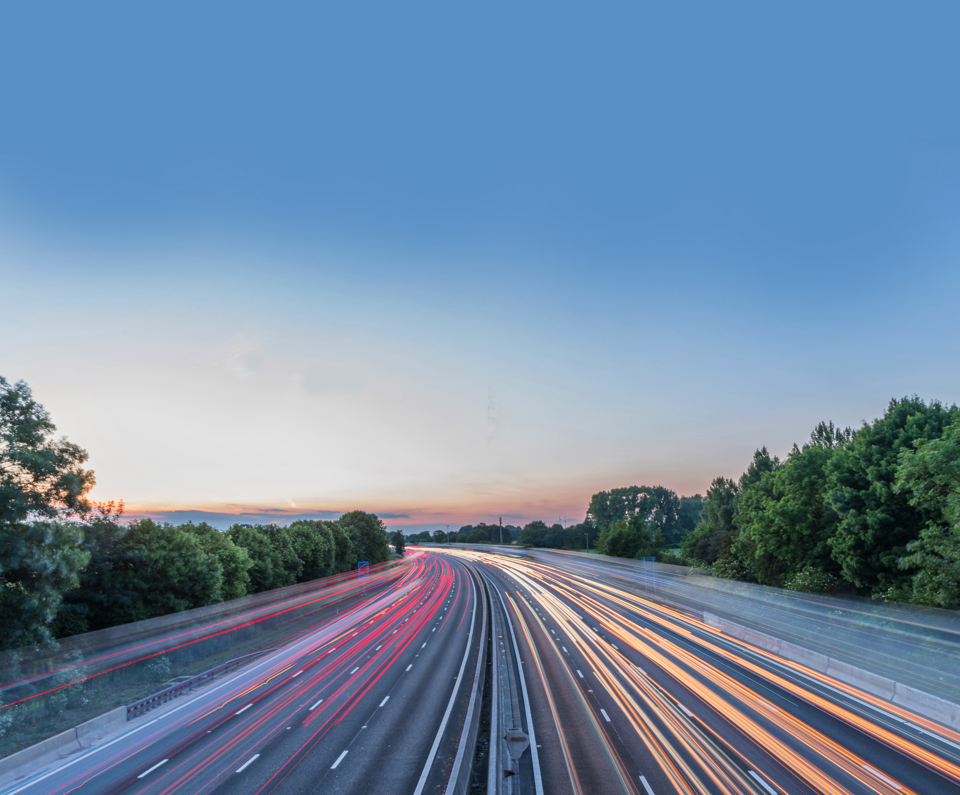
[347,706]
[691,711]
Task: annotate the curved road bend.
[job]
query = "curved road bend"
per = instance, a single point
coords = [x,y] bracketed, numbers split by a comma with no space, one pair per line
[372,701]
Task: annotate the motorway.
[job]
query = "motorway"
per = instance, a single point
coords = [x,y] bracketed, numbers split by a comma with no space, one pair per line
[617,691]
[371,701]
[631,695]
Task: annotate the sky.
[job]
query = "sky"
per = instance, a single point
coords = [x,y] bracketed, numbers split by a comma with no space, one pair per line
[451,262]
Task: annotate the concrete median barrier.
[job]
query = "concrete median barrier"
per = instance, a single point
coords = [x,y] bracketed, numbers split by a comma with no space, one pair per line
[937,709]
[64,743]
[918,701]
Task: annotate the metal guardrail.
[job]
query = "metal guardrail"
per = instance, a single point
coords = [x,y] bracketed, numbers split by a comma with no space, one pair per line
[148,703]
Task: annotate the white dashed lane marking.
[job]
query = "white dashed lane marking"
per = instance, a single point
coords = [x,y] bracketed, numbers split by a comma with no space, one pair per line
[249,762]
[148,772]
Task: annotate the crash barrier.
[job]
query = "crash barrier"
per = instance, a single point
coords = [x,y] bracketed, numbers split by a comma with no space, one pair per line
[930,706]
[71,740]
[148,703]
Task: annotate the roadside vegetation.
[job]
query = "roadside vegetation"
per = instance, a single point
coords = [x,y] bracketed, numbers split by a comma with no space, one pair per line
[872,512]
[68,566]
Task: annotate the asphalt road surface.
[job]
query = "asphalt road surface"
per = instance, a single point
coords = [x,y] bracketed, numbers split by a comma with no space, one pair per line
[619,692]
[633,696]
[370,702]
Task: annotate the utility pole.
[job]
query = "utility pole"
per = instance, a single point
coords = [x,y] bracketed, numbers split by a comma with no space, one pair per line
[501,531]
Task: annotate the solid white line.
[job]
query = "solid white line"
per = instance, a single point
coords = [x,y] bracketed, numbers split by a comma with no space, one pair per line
[765,785]
[646,786]
[249,762]
[297,674]
[882,777]
[385,701]
[410,666]
[579,674]
[354,670]
[689,713]
[453,697]
[605,715]
[339,760]
[245,708]
[147,772]
[315,705]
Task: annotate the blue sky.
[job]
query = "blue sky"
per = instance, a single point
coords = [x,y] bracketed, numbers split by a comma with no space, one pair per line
[454,263]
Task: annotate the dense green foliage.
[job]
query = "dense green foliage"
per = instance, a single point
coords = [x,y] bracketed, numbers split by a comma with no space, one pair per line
[874,512]
[68,567]
[367,535]
[42,485]
[312,542]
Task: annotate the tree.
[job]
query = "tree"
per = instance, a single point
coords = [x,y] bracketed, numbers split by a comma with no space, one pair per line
[877,521]
[290,563]
[632,537]
[234,561]
[398,541]
[272,558]
[689,514]
[104,594]
[665,514]
[313,544]
[714,534]
[929,475]
[368,534]
[41,478]
[439,537]
[534,533]
[345,555]
[784,519]
[759,466]
[608,507]
[163,570]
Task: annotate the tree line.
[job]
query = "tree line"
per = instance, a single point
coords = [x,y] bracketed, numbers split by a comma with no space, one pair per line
[873,512]
[68,566]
